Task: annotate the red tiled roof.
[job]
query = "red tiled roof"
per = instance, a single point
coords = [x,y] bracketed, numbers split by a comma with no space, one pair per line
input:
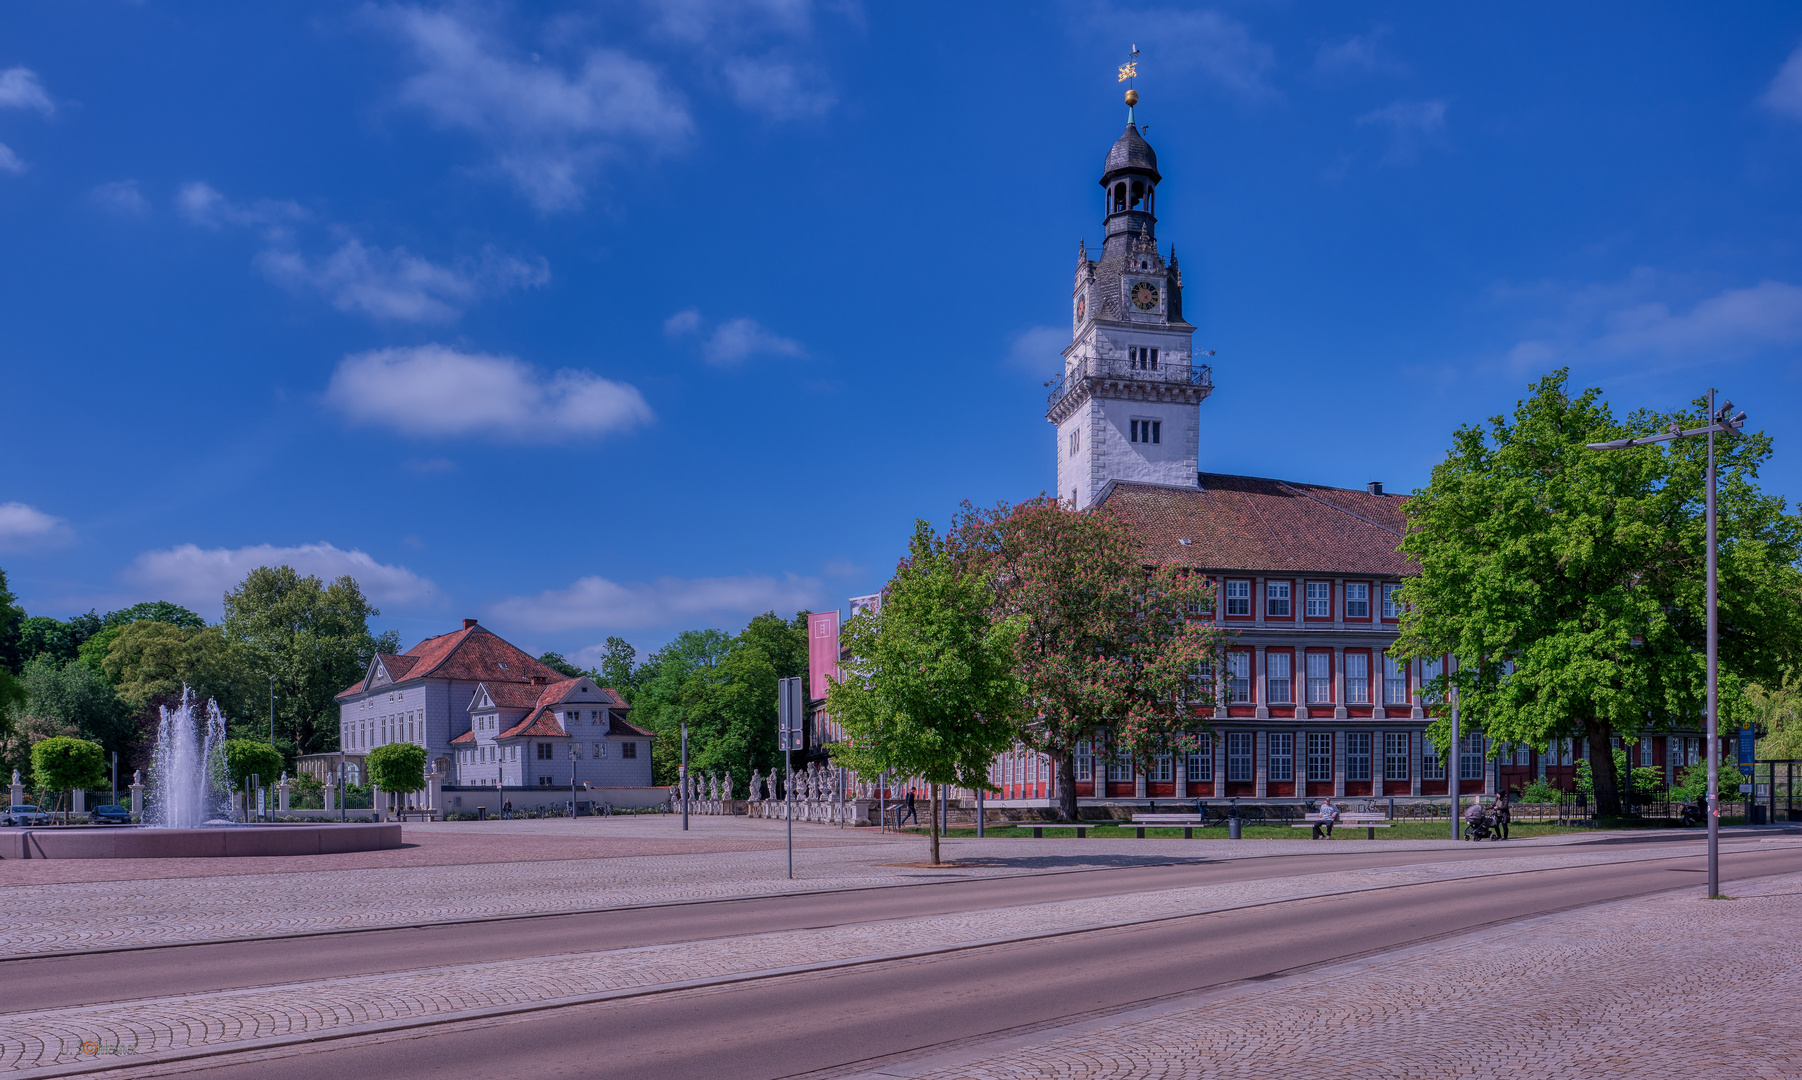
[620,727]
[467,736]
[514,695]
[1252,524]
[473,654]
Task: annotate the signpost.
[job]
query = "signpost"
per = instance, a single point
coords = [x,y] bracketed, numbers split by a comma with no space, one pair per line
[682,776]
[1747,742]
[791,734]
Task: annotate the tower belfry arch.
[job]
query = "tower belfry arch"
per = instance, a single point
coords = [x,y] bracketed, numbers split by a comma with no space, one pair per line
[1126,403]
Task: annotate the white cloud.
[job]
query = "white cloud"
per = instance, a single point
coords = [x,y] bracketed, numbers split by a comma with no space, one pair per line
[776,88]
[202,204]
[200,577]
[548,127]
[1038,349]
[121,196]
[23,526]
[20,89]
[595,603]
[700,22]
[1409,123]
[9,161]
[398,285]
[1785,94]
[1358,54]
[434,390]
[733,341]
[1768,313]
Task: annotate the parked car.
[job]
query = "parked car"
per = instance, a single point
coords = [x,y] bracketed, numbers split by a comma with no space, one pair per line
[25,815]
[111,815]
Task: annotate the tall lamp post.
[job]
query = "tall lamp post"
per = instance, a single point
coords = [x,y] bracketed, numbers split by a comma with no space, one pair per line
[1720,420]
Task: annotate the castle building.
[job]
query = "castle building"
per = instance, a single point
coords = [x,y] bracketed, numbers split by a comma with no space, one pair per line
[1311,703]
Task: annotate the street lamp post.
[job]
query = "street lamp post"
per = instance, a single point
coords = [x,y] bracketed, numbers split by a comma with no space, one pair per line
[682,780]
[1720,421]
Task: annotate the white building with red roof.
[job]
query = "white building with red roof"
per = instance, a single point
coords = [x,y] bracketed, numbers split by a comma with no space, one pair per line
[486,711]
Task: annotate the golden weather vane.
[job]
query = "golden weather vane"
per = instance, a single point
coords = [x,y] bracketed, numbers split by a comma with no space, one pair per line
[1128,72]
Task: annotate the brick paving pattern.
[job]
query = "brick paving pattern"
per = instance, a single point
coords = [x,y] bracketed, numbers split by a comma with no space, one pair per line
[1674,986]
[222,1019]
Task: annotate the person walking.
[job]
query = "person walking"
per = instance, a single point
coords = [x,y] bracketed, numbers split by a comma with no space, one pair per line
[1503,815]
[507,810]
[1329,816]
[909,812]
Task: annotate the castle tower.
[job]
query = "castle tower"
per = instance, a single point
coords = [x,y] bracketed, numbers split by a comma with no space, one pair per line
[1125,407]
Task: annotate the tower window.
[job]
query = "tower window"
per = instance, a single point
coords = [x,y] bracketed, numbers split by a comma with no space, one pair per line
[1138,194]
[1142,357]
[1120,196]
[1075,441]
[1147,431]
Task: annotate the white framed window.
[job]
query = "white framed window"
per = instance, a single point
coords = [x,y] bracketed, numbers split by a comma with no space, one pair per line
[1357,678]
[1119,768]
[1432,765]
[1392,601]
[1276,677]
[1470,757]
[1147,431]
[1238,597]
[1395,755]
[1357,600]
[1276,600]
[1395,681]
[1238,678]
[600,749]
[1523,755]
[1279,756]
[1320,677]
[1320,599]
[1320,756]
[1075,441]
[1239,756]
[1430,670]
[1357,755]
[1645,752]
[1200,764]
[628,749]
[1161,769]
[1085,761]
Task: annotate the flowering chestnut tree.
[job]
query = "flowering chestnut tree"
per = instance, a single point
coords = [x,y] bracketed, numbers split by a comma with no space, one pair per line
[1109,648]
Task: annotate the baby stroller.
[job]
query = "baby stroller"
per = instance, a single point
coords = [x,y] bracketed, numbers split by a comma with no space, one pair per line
[1481,825]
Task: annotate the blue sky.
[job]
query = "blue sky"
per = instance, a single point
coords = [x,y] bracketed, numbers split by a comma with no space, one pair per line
[631,317]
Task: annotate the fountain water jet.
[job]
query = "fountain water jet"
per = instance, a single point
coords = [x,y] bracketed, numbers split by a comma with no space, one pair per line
[187,775]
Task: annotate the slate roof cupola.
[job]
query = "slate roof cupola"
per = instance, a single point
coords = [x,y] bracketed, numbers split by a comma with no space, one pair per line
[1129,180]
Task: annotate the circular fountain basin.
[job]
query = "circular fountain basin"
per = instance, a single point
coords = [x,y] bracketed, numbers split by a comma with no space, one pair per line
[233,841]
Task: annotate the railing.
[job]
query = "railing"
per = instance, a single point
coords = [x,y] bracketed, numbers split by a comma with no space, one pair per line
[1107,368]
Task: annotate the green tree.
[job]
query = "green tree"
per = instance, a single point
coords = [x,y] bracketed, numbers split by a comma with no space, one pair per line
[155,611]
[397,768]
[1112,644]
[58,639]
[1568,582]
[68,698]
[245,758]
[618,667]
[933,691]
[63,764]
[12,619]
[149,662]
[556,662]
[1777,714]
[313,637]
[662,682]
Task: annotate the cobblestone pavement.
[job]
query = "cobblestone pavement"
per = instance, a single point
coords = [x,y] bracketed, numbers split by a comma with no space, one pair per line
[112,912]
[1673,986]
[242,1018]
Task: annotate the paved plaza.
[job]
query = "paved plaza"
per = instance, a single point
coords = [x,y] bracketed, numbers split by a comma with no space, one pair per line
[1653,986]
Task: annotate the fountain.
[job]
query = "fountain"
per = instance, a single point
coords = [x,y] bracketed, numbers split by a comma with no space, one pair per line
[187,774]
[187,815]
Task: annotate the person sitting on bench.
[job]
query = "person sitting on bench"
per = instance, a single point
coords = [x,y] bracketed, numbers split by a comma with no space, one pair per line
[1329,815]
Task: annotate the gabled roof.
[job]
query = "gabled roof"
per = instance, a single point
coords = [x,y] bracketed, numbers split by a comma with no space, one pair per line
[471,654]
[1250,523]
[543,720]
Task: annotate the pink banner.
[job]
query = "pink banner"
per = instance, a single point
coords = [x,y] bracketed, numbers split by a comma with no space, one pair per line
[822,652]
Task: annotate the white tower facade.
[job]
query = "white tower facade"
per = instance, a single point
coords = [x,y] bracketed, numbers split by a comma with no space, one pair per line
[1126,405]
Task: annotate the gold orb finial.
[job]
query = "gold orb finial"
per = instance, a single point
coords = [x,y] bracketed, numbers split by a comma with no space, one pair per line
[1132,97]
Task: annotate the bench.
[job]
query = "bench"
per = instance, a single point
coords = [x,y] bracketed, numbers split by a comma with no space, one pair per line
[1370,823]
[1038,827]
[419,813]
[1187,821]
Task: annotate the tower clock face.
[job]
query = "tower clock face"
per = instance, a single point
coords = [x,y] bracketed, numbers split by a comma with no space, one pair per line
[1145,296]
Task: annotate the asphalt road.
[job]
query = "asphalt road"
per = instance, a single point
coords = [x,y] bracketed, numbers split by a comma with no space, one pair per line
[799,1024]
[96,977]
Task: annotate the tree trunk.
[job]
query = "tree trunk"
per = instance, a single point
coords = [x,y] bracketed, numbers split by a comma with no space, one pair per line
[1601,769]
[1065,766]
[932,823]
